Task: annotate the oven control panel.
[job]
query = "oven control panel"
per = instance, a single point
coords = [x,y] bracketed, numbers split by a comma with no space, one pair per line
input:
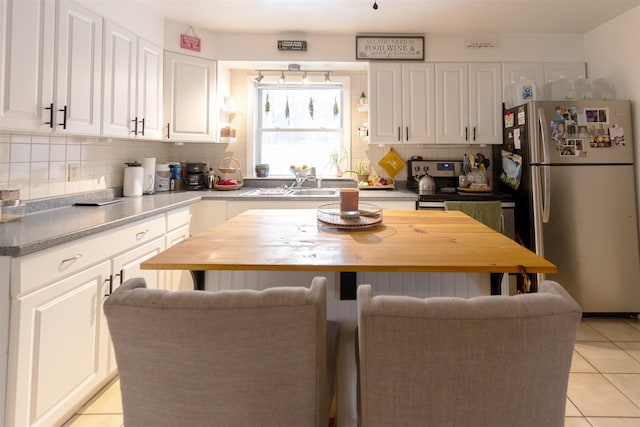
[435,168]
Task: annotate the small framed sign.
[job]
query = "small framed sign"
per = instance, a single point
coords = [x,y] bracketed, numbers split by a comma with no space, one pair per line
[292,45]
[404,48]
[190,42]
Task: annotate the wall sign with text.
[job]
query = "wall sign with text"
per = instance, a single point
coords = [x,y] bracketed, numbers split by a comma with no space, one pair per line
[407,48]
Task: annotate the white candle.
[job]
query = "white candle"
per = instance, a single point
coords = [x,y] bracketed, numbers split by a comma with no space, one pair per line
[349,201]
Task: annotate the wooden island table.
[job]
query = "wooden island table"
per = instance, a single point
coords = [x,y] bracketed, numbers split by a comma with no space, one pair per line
[406,241]
[418,253]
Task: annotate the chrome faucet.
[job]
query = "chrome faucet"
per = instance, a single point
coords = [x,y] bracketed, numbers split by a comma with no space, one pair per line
[311,177]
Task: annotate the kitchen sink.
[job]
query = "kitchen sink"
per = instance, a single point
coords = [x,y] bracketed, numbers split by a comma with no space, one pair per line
[314,192]
[292,192]
[267,192]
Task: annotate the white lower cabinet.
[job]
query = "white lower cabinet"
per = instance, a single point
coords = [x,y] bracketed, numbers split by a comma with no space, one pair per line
[57,348]
[126,266]
[60,350]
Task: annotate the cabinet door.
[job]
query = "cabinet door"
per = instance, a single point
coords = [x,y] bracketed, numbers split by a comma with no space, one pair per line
[118,115]
[27,35]
[59,352]
[514,71]
[385,103]
[189,98]
[79,69]
[418,103]
[555,70]
[452,103]
[150,81]
[485,103]
[127,266]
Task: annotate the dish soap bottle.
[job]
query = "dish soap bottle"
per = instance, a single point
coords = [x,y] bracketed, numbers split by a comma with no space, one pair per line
[363,98]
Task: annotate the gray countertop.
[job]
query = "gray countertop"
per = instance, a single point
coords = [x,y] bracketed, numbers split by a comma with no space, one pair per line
[48,228]
[61,224]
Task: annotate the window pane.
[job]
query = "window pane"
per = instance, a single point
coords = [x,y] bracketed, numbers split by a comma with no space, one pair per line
[284,149]
[299,125]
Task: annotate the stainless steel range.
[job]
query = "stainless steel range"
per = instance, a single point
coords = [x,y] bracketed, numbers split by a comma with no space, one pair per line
[445,174]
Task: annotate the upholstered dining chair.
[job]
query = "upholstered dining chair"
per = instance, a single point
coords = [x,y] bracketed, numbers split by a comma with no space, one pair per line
[483,361]
[227,358]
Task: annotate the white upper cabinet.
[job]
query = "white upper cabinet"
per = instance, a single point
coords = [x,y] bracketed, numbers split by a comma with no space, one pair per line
[401,103]
[452,103]
[385,103]
[513,72]
[485,103]
[79,70]
[469,103]
[132,85]
[418,103]
[149,90]
[189,98]
[555,70]
[27,44]
[571,70]
[51,73]
[120,58]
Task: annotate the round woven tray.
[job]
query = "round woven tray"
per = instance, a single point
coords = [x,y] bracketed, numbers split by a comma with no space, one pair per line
[330,215]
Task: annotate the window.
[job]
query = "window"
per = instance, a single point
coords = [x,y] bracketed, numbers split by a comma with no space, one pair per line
[299,125]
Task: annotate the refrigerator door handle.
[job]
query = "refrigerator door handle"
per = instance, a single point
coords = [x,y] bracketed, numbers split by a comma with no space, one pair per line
[544,134]
[546,172]
[546,193]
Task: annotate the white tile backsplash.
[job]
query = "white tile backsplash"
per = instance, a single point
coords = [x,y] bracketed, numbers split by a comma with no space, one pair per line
[37,164]
[20,152]
[73,153]
[57,153]
[39,153]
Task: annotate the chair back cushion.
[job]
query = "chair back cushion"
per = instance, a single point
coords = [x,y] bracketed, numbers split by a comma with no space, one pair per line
[229,358]
[484,361]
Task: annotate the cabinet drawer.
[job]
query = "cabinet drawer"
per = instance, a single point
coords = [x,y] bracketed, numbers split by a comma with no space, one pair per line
[38,269]
[177,218]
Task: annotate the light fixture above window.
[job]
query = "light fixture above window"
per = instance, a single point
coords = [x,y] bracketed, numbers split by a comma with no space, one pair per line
[305,75]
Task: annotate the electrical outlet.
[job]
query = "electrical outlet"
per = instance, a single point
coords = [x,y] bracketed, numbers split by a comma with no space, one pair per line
[74,172]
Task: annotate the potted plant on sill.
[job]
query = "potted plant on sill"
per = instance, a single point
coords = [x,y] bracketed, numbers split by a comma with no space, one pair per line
[362,171]
[337,158]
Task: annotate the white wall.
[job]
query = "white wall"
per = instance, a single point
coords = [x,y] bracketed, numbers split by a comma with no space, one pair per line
[341,48]
[613,50]
[132,15]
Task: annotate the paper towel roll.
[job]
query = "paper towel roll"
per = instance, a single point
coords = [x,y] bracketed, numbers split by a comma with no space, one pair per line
[133,178]
[149,167]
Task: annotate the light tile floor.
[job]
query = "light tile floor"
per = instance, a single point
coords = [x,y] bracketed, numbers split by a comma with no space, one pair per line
[604,383]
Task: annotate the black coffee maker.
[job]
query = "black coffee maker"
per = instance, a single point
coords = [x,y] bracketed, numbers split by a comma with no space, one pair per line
[195,176]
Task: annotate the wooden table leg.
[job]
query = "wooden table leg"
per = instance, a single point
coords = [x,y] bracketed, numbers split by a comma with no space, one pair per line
[198,280]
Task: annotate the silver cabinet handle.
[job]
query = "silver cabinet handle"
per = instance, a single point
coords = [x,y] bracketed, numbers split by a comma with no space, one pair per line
[73,258]
[141,234]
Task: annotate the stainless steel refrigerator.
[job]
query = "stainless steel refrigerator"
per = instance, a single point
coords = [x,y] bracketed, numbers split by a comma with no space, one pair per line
[569,166]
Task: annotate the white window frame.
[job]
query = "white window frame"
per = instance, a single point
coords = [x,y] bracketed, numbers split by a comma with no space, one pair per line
[252,113]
